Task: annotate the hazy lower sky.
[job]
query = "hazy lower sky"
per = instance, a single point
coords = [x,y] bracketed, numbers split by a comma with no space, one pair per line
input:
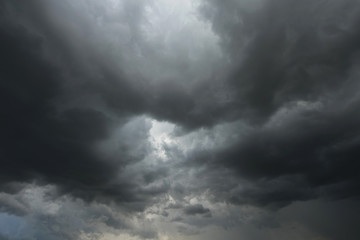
[179,119]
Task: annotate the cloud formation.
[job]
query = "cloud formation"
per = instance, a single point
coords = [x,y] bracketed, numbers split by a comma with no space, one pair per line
[149,119]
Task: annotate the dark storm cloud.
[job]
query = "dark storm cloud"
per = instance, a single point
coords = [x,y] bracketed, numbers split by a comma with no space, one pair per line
[323,216]
[39,140]
[276,56]
[300,154]
[60,98]
[70,103]
[197,209]
[294,83]
[282,51]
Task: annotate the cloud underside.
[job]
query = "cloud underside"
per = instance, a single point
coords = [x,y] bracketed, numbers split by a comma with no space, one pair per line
[245,103]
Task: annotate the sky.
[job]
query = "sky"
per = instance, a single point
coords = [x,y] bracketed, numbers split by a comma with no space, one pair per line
[179,119]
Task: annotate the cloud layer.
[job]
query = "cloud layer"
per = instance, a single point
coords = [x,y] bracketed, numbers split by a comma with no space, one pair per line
[161,120]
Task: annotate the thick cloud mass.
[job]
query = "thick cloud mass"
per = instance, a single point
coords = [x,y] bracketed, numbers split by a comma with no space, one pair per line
[37,142]
[297,75]
[179,119]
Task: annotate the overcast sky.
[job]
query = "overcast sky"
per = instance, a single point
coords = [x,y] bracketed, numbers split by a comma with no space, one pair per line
[179,119]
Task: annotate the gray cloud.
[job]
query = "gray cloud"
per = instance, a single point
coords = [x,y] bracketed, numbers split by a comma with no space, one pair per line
[257,103]
[197,209]
[13,205]
[44,138]
[293,83]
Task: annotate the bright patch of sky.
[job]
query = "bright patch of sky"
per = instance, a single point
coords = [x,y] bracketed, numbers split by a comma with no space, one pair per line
[11,225]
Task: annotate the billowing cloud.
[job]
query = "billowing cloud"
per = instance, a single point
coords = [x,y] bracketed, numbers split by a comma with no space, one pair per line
[179,119]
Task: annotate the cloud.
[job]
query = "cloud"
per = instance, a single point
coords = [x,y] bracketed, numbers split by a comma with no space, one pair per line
[197,209]
[130,108]
[322,216]
[293,82]
[44,138]
[13,205]
[278,56]
[308,155]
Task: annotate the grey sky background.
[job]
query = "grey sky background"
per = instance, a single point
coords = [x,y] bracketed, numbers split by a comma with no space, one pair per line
[171,120]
